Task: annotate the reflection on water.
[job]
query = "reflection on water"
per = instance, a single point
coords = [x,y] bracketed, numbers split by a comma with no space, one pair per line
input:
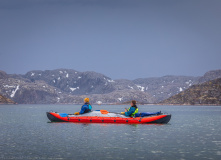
[193,133]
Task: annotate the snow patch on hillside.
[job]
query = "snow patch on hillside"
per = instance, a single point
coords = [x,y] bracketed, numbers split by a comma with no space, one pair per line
[110,80]
[73,89]
[13,92]
[189,82]
[131,87]
[140,88]
[8,86]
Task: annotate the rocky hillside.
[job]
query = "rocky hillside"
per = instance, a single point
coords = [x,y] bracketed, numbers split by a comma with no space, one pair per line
[165,87]
[211,75]
[71,86]
[4,100]
[73,82]
[67,86]
[206,93]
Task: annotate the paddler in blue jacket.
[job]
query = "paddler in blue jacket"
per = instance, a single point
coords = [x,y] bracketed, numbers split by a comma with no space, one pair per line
[132,110]
[85,108]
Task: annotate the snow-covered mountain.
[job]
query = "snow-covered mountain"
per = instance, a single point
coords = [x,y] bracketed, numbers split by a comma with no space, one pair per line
[73,82]
[71,86]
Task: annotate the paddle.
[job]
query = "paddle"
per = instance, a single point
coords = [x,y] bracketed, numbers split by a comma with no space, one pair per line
[106,112]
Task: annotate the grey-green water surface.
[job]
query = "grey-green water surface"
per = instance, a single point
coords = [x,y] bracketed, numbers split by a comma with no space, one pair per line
[194,132]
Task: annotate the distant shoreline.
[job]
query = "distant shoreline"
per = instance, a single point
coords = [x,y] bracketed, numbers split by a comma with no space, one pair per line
[117,104]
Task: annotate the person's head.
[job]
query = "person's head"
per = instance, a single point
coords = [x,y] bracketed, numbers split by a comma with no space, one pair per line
[86,100]
[133,103]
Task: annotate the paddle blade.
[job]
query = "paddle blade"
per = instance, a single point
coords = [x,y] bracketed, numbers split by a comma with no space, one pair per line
[104,111]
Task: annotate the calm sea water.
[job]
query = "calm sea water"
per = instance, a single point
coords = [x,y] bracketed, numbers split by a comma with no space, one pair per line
[194,132]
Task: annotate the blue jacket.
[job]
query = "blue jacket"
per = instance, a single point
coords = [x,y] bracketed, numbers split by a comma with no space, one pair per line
[86,108]
[131,110]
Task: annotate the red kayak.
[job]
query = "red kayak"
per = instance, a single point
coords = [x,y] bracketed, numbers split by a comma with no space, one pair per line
[104,116]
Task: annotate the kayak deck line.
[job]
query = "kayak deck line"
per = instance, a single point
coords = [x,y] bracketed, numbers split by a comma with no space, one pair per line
[160,119]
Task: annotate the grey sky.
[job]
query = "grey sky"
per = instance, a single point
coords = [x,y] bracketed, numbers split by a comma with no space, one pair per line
[119,38]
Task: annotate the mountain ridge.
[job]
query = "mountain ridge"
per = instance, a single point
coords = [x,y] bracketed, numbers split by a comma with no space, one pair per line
[71,86]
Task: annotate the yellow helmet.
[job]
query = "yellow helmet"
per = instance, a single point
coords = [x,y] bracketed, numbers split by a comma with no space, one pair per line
[86,99]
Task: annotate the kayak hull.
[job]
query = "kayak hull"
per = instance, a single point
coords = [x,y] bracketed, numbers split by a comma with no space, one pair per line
[159,119]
